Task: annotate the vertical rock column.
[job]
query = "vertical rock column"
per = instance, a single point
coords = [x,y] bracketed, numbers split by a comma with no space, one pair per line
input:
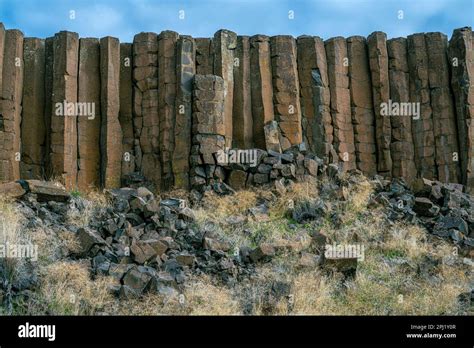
[126,109]
[186,69]
[461,59]
[315,95]
[223,46]
[337,60]
[33,130]
[88,127]
[362,107]
[166,102]
[378,60]
[111,132]
[401,147]
[204,59]
[242,109]
[10,105]
[145,106]
[286,91]
[209,130]
[63,146]
[2,48]
[48,101]
[422,126]
[444,119]
[261,87]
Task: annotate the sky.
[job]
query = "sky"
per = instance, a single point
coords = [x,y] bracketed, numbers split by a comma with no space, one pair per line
[202,18]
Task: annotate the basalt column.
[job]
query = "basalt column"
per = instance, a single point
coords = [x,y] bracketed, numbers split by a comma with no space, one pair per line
[63,146]
[378,60]
[186,69]
[242,110]
[363,118]
[166,102]
[261,87]
[338,63]
[204,58]
[444,119]
[2,47]
[286,91]
[461,59]
[110,131]
[88,126]
[145,106]
[33,130]
[315,95]
[401,147]
[126,110]
[209,130]
[10,105]
[223,46]
[422,125]
[48,101]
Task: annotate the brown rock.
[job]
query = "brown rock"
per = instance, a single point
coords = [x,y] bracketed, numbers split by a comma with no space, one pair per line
[48,191]
[204,58]
[11,190]
[111,133]
[237,179]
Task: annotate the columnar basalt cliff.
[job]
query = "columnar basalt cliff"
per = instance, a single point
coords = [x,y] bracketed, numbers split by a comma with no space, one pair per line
[100,113]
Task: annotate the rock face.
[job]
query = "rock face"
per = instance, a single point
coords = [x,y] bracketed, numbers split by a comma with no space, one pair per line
[33,129]
[242,104]
[103,114]
[286,90]
[10,104]
[362,110]
[315,95]
[110,131]
[338,73]
[88,126]
[401,147]
[378,61]
[63,146]
[261,87]
[422,126]
[461,63]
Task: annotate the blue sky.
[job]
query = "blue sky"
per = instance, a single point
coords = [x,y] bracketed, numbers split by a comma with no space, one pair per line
[325,18]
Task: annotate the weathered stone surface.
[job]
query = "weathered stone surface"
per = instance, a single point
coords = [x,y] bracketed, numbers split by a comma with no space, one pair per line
[11,189]
[88,127]
[286,91]
[338,75]
[223,46]
[461,58]
[186,68]
[48,101]
[242,104]
[315,95]
[63,146]
[422,128]
[126,109]
[166,102]
[261,87]
[237,179]
[48,191]
[444,119]
[378,62]
[363,118]
[111,132]
[272,137]
[401,147]
[33,130]
[145,104]
[2,47]
[10,106]
[204,56]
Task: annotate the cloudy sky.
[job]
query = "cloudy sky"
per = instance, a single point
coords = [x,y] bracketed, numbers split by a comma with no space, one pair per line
[201,18]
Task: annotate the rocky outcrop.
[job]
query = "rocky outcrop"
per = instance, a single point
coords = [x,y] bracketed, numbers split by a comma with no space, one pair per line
[286,90]
[204,56]
[338,73]
[33,129]
[378,62]
[461,62]
[362,107]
